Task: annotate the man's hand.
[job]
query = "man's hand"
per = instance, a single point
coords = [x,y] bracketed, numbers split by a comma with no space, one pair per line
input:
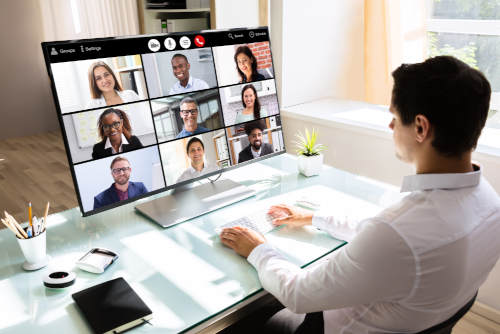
[241,239]
[290,215]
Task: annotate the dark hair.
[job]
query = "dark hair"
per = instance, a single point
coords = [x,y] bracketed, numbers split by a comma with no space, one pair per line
[120,113]
[177,55]
[256,106]
[95,92]
[192,141]
[453,96]
[119,158]
[250,126]
[246,50]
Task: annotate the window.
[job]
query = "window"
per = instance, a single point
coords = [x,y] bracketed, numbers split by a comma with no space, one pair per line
[470,31]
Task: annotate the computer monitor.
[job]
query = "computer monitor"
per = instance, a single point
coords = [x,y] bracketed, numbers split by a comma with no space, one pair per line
[143,114]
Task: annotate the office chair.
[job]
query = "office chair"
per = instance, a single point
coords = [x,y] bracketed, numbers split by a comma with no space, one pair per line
[446,326]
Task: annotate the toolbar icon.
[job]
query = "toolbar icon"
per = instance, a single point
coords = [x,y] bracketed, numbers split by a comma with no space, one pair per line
[154,45]
[170,43]
[199,41]
[54,52]
[185,42]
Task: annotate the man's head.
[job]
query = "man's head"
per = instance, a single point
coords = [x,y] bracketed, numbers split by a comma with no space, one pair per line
[195,151]
[189,113]
[443,102]
[120,170]
[254,132]
[180,68]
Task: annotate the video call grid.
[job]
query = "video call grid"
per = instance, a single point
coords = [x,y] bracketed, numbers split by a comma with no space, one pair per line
[158,143]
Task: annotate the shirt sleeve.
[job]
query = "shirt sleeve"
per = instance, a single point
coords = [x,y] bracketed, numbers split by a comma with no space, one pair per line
[340,226]
[377,265]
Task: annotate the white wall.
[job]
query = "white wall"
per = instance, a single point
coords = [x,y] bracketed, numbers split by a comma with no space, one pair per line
[27,105]
[236,13]
[318,49]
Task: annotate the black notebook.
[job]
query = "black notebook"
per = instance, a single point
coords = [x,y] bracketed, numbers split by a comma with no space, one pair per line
[112,307]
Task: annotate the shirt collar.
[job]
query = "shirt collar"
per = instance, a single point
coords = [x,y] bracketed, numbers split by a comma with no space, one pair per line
[189,84]
[441,181]
[108,143]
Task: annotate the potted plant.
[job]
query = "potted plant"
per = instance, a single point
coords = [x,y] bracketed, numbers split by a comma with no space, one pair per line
[310,159]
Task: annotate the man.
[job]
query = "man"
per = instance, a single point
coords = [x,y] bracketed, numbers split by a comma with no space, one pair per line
[189,115]
[186,83]
[122,188]
[256,148]
[419,261]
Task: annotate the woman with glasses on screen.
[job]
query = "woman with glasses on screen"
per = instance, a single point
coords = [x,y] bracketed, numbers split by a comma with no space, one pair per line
[105,90]
[252,108]
[195,151]
[246,65]
[115,132]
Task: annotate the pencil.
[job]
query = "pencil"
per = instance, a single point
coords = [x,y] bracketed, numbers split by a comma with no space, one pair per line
[30,216]
[45,216]
[15,224]
[10,227]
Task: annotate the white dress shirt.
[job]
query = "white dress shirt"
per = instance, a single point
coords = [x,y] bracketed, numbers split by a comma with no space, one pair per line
[256,154]
[125,95]
[191,173]
[120,149]
[192,85]
[407,269]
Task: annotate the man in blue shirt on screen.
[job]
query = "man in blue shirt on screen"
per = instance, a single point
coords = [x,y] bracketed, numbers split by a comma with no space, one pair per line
[189,114]
[122,188]
[186,83]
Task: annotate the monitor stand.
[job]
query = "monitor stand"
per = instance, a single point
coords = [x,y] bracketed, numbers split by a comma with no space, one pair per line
[189,203]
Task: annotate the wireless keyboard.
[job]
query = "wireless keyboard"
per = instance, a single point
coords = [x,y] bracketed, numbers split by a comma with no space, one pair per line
[260,222]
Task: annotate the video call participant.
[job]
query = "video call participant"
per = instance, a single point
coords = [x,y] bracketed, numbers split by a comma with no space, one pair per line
[418,262]
[253,109]
[196,153]
[122,188]
[256,148]
[186,83]
[105,90]
[246,65]
[115,132]
[189,115]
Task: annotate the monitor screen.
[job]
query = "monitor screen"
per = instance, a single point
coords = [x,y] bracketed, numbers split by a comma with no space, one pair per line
[144,114]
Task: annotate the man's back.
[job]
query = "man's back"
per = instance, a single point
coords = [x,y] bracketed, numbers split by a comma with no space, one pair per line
[448,245]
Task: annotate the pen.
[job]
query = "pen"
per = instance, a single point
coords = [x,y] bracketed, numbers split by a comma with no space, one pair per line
[30,218]
[36,226]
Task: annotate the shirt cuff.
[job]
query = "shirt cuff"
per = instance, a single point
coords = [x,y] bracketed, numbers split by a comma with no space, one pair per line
[257,252]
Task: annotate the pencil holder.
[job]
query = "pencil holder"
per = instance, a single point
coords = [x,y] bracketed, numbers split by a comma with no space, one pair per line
[35,251]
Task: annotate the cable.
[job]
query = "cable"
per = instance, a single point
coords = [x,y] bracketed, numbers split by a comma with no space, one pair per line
[218,176]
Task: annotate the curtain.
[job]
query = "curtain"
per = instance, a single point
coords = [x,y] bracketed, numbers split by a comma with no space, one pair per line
[75,19]
[395,33]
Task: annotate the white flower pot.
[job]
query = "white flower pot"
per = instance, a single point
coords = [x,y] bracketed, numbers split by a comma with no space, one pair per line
[311,165]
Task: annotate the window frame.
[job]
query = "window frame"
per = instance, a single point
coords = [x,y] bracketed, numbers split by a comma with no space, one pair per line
[468,27]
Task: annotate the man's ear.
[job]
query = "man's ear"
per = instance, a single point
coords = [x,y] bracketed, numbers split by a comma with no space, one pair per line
[422,128]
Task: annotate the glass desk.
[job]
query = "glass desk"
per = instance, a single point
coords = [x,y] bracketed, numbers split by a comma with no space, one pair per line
[183,273]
